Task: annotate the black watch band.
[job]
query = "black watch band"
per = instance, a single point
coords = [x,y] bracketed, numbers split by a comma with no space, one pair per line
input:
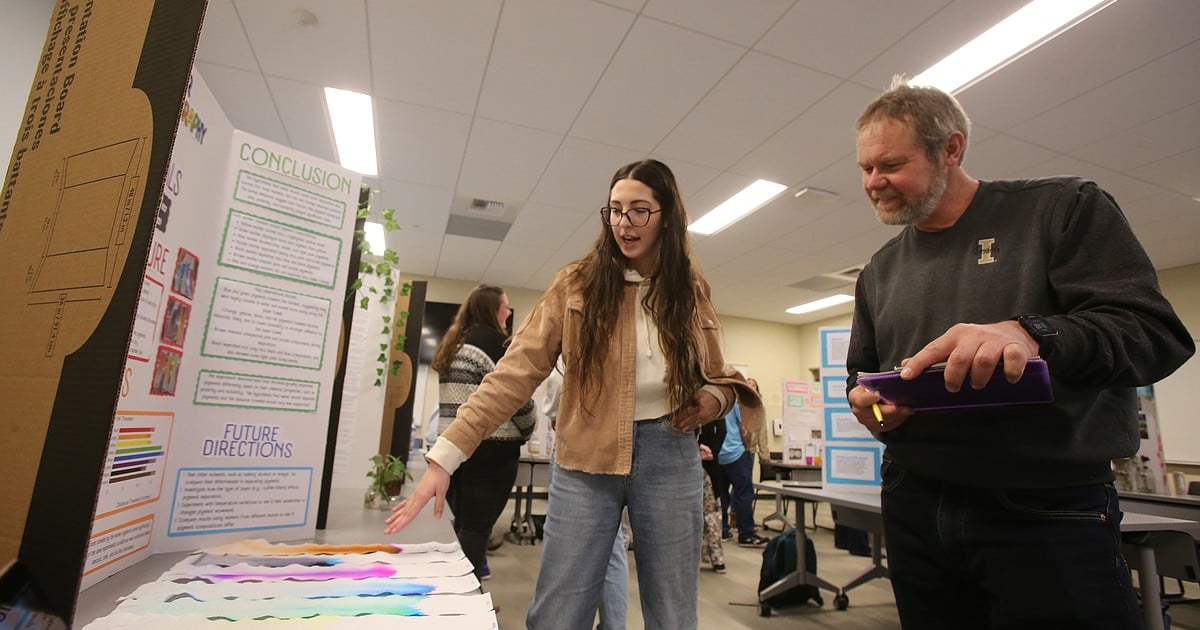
[1042,331]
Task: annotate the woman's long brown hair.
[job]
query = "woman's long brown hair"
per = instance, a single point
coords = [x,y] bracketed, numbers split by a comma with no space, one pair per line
[479,309]
[670,300]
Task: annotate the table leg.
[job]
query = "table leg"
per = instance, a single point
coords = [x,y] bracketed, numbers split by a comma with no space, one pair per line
[1148,582]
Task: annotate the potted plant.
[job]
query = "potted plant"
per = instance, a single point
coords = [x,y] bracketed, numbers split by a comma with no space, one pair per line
[387,478]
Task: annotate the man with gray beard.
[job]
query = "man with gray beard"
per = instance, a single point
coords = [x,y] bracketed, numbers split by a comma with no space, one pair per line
[1002,517]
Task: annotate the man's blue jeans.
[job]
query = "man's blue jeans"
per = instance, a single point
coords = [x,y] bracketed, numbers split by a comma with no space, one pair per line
[739,474]
[964,557]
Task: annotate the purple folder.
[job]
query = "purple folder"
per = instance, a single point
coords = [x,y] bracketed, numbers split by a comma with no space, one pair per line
[927,393]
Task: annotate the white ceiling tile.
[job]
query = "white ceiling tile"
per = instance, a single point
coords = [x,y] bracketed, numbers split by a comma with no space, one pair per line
[245,100]
[822,134]
[1096,51]
[418,207]
[629,5]
[1001,155]
[630,108]
[1123,188]
[579,174]
[431,52]
[941,34]
[742,22]
[336,46]
[547,58]
[1180,173]
[302,110]
[503,161]
[539,226]
[1079,122]
[222,40]
[1158,139]
[465,258]
[420,144]
[418,251]
[762,94]
[840,36]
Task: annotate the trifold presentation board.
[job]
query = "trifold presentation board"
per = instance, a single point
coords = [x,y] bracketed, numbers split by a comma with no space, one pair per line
[169,294]
[852,454]
[220,425]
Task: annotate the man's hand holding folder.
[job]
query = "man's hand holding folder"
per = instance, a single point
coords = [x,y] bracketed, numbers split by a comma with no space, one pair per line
[965,349]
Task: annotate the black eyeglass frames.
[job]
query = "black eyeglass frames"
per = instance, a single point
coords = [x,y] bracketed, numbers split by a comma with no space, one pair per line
[638,217]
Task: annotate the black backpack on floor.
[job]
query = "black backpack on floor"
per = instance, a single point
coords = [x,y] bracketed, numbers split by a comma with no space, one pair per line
[779,559]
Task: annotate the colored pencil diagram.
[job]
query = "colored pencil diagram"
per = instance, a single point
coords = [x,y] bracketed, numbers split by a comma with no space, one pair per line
[137,452]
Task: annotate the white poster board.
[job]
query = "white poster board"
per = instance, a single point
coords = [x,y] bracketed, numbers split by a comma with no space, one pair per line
[220,426]
[852,454]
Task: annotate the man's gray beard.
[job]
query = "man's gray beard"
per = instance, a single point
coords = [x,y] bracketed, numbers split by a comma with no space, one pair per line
[917,210]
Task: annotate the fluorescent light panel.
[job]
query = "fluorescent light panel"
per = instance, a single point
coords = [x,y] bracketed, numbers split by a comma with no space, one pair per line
[353,129]
[1031,26]
[816,305]
[374,236]
[737,207]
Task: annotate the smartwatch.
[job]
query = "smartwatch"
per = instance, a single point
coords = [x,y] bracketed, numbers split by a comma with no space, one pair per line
[1042,331]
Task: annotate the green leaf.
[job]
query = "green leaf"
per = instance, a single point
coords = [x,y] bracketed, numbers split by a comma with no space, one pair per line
[364,303]
[364,246]
[387,330]
[382,346]
[391,256]
[365,267]
[388,214]
[405,288]
[382,358]
[391,225]
[395,368]
[378,371]
[400,339]
[357,285]
[373,290]
[387,280]
[387,319]
[378,383]
[383,269]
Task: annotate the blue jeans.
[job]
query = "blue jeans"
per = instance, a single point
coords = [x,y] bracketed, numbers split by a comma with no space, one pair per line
[740,476]
[963,557]
[614,601]
[663,495]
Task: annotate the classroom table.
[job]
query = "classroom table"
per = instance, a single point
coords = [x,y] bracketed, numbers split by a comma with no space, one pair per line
[532,472]
[861,509]
[790,471]
[858,509]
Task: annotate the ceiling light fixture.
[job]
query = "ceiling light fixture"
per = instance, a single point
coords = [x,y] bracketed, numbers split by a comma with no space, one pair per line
[823,303]
[353,129]
[1031,26]
[737,207]
[374,235]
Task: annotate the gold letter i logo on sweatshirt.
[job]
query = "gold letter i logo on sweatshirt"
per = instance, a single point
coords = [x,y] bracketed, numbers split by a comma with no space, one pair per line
[985,251]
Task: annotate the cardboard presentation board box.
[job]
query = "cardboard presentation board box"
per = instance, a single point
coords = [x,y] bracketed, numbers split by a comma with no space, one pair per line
[76,215]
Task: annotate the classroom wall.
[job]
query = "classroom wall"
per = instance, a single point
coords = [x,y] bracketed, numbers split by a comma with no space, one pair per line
[1180,285]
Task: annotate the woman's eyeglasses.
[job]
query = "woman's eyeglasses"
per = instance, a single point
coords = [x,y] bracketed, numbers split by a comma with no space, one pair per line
[638,217]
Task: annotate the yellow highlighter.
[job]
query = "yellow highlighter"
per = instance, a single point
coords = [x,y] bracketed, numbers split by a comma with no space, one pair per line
[878,413]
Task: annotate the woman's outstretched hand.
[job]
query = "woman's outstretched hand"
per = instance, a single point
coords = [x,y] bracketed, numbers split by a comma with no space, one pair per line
[433,484]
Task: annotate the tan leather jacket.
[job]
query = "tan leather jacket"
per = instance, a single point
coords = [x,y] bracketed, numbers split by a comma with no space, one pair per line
[596,437]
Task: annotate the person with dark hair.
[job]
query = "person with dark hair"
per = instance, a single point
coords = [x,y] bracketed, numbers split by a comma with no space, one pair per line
[641,344]
[479,489]
[737,472]
[1004,516]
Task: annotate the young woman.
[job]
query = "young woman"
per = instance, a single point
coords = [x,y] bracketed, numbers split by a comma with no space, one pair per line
[480,487]
[644,370]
